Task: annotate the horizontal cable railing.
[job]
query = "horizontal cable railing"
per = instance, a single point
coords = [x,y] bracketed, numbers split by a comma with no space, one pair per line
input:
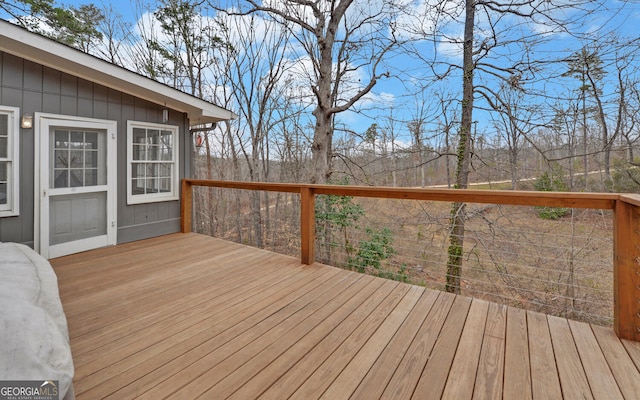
[583,265]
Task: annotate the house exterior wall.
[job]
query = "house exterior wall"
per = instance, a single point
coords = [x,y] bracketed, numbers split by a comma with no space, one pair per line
[36,88]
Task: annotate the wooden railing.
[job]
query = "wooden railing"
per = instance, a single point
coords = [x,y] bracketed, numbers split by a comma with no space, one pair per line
[626,228]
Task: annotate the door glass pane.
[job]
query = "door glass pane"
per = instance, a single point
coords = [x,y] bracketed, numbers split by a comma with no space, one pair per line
[91,159]
[61,139]
[91,140]
[77,140]
[90,177]
[78,158]
[61,178]
[77,178]
[61,158]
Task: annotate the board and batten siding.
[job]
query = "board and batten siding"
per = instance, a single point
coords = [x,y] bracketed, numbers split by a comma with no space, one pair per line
[36,88]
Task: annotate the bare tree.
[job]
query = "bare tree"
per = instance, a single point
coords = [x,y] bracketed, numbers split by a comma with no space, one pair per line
[255,67]
[489,26]
[116,37]
[514,123]
[339,39]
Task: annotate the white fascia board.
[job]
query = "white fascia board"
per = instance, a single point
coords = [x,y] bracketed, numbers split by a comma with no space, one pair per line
[39,49]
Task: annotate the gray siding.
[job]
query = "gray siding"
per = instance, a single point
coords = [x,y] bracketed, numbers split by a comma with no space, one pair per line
[35,88]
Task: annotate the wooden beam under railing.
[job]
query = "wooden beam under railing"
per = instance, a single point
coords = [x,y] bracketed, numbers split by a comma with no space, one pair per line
[626,267]
[626,208]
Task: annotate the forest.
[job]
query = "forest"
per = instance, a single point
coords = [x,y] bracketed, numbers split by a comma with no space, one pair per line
[490,94]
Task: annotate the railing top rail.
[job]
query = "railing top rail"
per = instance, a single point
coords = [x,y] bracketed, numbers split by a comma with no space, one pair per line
[633,199]
[604,201]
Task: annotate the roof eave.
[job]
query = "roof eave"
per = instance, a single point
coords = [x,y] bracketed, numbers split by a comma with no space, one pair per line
[22,43]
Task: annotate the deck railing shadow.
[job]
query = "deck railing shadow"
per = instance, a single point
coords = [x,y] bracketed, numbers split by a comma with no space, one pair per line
[625,208]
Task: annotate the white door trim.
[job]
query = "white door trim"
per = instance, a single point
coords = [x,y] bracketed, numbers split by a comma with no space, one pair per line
[42,124]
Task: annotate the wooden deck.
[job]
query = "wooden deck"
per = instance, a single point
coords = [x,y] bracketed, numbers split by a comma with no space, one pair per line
[186,316]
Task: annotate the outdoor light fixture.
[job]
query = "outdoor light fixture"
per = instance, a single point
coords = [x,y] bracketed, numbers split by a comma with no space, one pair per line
[27,121]
[165,115]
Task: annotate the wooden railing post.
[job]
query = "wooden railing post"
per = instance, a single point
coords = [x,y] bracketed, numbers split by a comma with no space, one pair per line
[186,207]
[307,225]
[626,269]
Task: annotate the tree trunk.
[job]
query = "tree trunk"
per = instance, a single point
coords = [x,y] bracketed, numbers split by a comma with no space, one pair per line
[585,147]
[457,218]
[322,146]
[321,149]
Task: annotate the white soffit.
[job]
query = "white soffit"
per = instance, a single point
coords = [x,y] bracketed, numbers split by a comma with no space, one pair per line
[39,49]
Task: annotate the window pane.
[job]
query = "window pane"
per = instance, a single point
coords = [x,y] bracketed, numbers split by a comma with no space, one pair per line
[153,136]
[165,184]
[151,185]
[4,166]
[138,186]
[166,154]
[139,152]
[152,153]
[3,193]
[166,151]
[164,170]
[4,147]
[4,125]
[139,135]
[137,171]
[152,170]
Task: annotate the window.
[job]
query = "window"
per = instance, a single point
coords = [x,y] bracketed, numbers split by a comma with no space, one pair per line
[9,190]
[152,162]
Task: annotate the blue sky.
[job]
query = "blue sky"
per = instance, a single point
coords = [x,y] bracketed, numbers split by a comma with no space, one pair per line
[398,91]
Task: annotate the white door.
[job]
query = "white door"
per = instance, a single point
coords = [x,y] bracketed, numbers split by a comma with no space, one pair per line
[76,191]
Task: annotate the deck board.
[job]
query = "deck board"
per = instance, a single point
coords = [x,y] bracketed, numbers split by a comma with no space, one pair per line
[188,316]
[517,365]
[462,375]
[626,374]
[491,367]
[603,383]
[545,382]
[572,376]
[381,372]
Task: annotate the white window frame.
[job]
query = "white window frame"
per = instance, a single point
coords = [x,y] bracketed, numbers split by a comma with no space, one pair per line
[12,207]
[172,194]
